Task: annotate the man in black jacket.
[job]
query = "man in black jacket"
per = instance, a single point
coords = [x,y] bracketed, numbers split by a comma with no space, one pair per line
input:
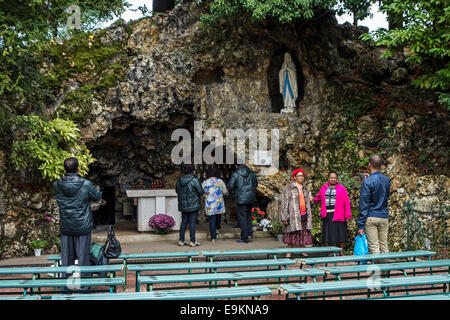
[73,195]
[189,191]
[244,183]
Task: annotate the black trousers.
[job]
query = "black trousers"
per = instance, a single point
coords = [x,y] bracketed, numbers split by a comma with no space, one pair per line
[244,216]
[76,247]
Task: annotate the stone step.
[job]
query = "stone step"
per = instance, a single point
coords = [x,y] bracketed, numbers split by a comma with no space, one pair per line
[172,236]
[127,233]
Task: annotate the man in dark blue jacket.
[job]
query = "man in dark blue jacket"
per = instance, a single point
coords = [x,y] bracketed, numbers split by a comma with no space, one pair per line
[73,195]
[373,207]
[244,183]
[189,191]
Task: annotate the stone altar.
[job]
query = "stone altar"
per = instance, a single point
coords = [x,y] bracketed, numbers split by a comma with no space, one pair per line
[151,202]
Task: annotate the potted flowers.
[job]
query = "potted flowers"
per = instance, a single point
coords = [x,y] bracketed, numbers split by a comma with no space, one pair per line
[277,230]
[37,245]
[265,224]
[162,223]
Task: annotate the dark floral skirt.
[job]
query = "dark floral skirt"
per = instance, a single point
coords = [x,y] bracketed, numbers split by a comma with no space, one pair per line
[300,237]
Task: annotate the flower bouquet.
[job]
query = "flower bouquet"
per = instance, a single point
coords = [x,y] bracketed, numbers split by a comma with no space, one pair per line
[162,223]
[257,215]
[265,224]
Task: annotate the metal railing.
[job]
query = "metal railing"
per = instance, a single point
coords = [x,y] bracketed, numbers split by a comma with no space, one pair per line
[427,227]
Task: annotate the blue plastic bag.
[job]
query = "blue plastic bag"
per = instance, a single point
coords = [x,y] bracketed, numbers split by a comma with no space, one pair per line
[361,247]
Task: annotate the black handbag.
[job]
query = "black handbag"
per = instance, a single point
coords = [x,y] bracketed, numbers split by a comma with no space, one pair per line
[112,245]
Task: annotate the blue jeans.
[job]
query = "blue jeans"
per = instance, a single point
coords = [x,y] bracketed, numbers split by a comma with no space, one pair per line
[214,224]
[191,218]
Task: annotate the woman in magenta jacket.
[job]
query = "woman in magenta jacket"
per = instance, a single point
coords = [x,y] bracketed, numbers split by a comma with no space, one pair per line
[334,211]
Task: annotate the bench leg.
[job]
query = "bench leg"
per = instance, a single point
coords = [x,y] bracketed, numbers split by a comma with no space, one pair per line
[137,284]
[124,274]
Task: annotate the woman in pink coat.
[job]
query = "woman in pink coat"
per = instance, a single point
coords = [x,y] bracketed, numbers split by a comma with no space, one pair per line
[334,211]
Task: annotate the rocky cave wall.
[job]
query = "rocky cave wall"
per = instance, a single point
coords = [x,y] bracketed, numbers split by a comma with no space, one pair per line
[351,104]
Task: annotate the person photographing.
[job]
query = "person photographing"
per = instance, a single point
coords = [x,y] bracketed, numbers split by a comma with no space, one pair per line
[373,207]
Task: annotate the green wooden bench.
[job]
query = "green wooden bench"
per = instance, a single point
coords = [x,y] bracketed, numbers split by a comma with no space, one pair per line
[231,277]
[368,257]
[21,298]
[37,271]
[57,282]
[58,271]
[139,256]
[438,296]
[193,294]
[274,251]
[211,266]
[376,286]
[386,267]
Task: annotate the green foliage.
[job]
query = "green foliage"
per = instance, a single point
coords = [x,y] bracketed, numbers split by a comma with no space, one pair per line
[85,59]
[283,11]
[38,244]
[444,100]
[27,26]
[43,146]
[360,9]
[426,31]
[82,54]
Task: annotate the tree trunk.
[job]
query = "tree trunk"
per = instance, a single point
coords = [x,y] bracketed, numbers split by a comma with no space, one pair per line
[355,20]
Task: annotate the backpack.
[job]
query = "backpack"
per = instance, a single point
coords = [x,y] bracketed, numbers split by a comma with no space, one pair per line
[97,253]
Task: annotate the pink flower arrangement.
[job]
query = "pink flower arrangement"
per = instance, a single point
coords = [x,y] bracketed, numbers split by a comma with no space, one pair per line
[162,223]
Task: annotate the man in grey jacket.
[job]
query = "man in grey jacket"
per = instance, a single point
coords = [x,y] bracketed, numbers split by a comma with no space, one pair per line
[244,183]
[73,195]
[373,207]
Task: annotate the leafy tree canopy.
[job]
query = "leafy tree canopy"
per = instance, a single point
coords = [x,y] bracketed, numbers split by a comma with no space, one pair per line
[360,9]
[27,25]
[426,31]
[283,11]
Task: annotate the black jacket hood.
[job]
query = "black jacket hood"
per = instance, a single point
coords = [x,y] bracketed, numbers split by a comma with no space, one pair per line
[70,184]
[243,171]
[184,180]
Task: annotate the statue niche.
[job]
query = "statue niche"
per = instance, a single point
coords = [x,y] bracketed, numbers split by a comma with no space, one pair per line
[286,82]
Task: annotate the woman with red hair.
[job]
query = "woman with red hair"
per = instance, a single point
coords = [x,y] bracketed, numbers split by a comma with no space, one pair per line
[296,212]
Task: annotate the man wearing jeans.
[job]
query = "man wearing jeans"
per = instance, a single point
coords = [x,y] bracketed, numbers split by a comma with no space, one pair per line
[73,195]
[373,207]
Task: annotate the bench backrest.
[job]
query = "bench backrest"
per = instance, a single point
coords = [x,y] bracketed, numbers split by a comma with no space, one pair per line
[364,284]
[58,282]
[386,266]
[229,276]
[192,294]
[65,269]
[369,257]
[272,251]
[210,265]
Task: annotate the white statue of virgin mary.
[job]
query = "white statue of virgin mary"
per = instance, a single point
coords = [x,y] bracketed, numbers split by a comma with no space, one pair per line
[288,83]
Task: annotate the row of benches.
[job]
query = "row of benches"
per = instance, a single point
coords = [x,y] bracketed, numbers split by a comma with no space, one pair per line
[289,289]
[213,266]
[209,255]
